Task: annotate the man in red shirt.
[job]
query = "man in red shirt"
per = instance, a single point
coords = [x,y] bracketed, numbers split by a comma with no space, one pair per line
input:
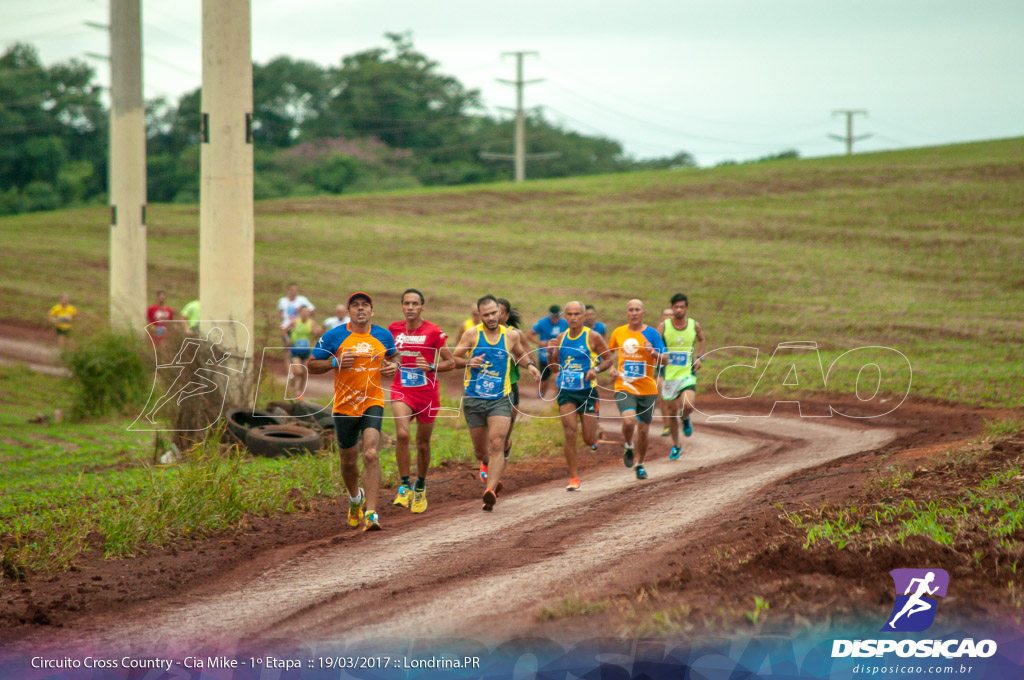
[414,393]
[157,315]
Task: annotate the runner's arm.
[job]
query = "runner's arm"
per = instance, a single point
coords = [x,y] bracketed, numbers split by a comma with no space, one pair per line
[700,345]
[553,349]
[447,361]
[522,357]
[462,349]
[601,349]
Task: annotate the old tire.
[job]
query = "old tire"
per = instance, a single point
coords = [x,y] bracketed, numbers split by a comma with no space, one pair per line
[272,441]
[240,420]
[309,410]
[285,406]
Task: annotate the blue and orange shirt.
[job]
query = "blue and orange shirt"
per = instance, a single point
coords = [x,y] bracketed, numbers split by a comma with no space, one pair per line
[491,379]
[637,367]
[575,359]
[359,387]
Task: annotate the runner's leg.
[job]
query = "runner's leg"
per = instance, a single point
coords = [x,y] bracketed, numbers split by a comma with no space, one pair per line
[567,412]
[497,428]
[423,432]
[403,421]
[371,468]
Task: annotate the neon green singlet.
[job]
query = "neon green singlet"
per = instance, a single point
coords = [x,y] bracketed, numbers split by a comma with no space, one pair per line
[680,349]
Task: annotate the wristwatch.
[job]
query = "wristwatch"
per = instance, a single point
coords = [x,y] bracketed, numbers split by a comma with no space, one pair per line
[432,368]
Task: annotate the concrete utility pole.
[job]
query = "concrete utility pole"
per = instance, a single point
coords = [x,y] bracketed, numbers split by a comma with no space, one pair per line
[849,138]
[520,154]
[127,177]
[226,238]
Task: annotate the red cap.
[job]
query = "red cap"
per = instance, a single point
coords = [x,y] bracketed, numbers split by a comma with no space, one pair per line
[359,294]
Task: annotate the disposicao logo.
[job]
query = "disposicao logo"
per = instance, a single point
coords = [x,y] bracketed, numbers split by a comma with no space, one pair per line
[914,611]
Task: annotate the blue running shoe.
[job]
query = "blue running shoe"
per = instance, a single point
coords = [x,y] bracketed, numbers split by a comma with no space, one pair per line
[641,473]
[687,428]
[674,453]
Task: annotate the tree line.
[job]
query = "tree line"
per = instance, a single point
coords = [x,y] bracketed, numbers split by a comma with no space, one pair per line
[384,118]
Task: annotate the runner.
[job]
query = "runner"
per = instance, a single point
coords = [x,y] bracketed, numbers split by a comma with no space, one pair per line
[300,334]
[590,321]
[190,312]
[488,351]
[510,317]
[288,306]
[542,332]
[640,351]
[340,317]
[472,321]
[679,332]
[357,352]
[576,351]
[666,412]
[157,315]
[414,393]
[61,316]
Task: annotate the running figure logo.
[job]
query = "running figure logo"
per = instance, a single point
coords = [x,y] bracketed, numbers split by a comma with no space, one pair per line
[915,611]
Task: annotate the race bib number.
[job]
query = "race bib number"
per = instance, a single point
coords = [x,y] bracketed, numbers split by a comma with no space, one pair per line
[413,377]
[634,369]
[488,387]
[301,343]
[572,380]
[159,331]
[678,358]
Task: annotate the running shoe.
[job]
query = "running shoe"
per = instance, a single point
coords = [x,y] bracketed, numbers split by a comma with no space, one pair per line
[355,510]
[490,498]
[641,473]
[404,496]
[593,447]
[371,523]
[419,501]
[666,431]
[574,484]
[674,453]
[687,428]
[627,456]
[483,472]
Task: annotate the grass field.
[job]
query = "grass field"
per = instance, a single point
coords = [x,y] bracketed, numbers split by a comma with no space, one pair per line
[67,487]
[917,250]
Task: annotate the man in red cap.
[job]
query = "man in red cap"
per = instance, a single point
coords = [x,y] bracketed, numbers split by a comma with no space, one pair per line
[357,352]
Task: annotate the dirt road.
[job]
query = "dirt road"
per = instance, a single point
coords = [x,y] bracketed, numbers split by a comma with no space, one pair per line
[465,571]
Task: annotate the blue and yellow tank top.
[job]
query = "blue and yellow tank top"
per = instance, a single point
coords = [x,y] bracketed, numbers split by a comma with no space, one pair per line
[491,379]
[575,358]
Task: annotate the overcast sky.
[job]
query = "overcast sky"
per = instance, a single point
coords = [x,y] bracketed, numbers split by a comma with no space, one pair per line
[722,79]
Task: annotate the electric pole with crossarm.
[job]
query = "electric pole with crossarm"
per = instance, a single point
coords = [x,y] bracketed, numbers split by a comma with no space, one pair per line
[520,156]
[849,138]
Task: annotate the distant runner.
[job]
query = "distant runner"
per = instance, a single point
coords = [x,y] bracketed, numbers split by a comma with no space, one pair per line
[61,316]
[300,333]
[590,321]
[666,412]
[679,333]
[488,352]
[190,313]
[640,351]
[472,321]
[340,317]
[157,315]
[423,353]
[288,306]
[576,351]
[357,354]
[541,334]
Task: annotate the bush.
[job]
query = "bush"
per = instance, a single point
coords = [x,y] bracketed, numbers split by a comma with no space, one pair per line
[109,375]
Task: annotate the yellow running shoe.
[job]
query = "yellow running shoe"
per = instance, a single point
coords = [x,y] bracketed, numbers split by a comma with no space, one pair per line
[419,501]
[404,496]
[355,510]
